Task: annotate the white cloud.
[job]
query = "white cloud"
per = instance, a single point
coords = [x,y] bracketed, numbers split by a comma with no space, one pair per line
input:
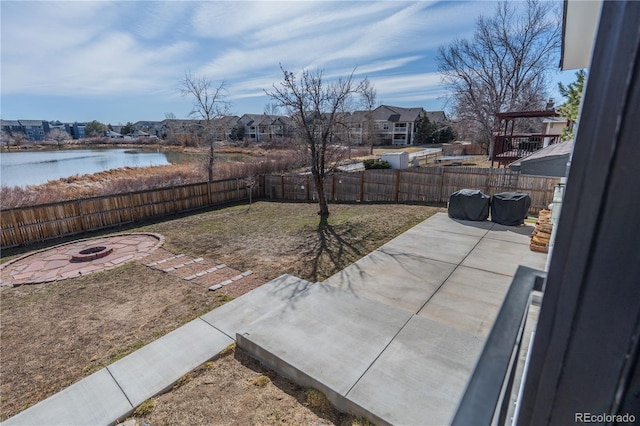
[104,47]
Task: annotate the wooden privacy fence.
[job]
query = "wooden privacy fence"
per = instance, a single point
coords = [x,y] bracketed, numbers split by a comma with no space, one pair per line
[27,225]
[421,185]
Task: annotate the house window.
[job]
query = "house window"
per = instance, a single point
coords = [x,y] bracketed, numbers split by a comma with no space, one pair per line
[385,126]
[401,125]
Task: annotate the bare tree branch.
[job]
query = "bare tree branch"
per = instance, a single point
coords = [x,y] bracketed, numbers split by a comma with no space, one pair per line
[318,109]
[209,104]
[506,66]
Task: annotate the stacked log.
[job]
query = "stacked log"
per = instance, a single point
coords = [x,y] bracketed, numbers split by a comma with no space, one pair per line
[542,232]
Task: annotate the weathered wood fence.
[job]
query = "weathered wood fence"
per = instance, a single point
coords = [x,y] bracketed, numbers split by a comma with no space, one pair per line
[422,185]
[26,225]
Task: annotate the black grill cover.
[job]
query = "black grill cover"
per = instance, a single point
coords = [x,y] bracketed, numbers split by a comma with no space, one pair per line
[469,204]
[510,208]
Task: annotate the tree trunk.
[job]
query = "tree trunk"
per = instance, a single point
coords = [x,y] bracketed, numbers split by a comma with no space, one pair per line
[210,165]
[322,199]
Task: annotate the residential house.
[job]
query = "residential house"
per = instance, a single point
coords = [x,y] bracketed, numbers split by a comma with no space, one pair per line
[10,129]
[553,127]
[112,135]
[261,127]
[357,125]
[140,134]
[58,125]
[393,125]
[76,130]
[223,127]
[34,129]
[148,127]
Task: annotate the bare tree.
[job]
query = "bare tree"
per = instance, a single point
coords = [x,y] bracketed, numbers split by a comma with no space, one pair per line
[208,105]
[271,109]
[368,101]
[505,66]
[17,139]
[317,108]
[250,182]
[59,136]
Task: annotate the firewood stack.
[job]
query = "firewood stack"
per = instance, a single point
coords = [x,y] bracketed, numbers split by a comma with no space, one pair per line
[542,232]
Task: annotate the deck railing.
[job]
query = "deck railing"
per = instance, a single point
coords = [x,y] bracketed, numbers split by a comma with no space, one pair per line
[488,394]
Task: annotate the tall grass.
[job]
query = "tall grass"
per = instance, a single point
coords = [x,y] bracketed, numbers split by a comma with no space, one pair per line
[130,179]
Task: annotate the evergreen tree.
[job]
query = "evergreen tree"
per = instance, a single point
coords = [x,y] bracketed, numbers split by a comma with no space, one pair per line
[571,108]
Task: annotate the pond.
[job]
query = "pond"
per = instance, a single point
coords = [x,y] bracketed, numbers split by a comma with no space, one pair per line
[24,168]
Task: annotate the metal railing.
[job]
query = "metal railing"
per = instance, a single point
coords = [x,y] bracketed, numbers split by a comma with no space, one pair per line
[486,398]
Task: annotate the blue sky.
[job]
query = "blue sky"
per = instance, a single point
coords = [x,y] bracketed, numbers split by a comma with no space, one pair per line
[123,61]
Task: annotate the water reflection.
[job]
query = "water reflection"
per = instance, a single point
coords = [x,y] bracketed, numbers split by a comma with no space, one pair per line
[38,167]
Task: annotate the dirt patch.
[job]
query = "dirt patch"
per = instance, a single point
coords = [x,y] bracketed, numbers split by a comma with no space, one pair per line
[54,334]
[260,396]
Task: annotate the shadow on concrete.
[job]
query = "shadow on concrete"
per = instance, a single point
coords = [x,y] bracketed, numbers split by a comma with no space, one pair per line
[328,249]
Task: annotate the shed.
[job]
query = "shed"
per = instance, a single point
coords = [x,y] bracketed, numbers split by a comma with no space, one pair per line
[549,161]
[398,160]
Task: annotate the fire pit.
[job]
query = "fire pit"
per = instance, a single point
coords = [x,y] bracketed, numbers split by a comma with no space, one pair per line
[91,253]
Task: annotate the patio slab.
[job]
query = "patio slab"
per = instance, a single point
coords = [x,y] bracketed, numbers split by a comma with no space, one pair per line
[468,301]
[433,244]
[327,342]
[451,284]
[275,298]
[503,257]
[398,279]
[442,222]
[419,378]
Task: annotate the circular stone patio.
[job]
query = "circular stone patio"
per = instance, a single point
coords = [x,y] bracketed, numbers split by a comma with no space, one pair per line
[78,258]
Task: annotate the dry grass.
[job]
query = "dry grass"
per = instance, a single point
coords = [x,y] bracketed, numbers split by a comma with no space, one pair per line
[54,334]
[94,320]
[230,163]
[274,238]
[226,394]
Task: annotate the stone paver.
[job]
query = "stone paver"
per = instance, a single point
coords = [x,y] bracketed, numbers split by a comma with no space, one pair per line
[55,263]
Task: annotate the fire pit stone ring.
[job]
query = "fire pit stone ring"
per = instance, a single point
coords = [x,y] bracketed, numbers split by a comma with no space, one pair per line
[91,253]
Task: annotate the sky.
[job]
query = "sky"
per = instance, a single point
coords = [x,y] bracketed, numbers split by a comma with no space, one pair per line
[120,61]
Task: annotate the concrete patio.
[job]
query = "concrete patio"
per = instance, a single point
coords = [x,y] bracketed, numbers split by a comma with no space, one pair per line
[393,337]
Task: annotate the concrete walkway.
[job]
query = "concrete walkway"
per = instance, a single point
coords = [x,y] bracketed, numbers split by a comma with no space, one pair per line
[392,337]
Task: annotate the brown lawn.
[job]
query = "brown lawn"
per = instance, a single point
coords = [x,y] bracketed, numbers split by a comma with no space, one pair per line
[52,335]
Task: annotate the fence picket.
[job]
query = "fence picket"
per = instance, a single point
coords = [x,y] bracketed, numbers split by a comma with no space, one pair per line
[25,225]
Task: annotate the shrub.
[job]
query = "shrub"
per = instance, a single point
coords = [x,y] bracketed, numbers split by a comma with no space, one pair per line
[376,164]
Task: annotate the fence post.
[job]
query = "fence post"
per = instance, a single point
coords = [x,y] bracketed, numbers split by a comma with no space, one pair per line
[16,228]
[441,184]
[209,200]
[132,215]
[333,187]
[282,184]
[237,189]
[308,192]
[397,189]
[262,186]
[83,222]
[487,181]
[361,186]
